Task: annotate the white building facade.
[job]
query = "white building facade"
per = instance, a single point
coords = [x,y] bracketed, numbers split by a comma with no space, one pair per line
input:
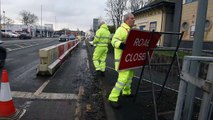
[34,30]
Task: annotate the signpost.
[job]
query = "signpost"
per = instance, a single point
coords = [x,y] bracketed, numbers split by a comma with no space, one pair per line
[138,52]
[138,43]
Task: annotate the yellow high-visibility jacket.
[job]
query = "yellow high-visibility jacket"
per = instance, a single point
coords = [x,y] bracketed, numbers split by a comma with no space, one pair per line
[119,37]
[102,36]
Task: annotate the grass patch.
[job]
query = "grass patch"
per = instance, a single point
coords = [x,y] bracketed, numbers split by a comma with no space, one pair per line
[181,54]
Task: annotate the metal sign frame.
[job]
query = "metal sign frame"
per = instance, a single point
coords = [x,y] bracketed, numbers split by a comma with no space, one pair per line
[148,59]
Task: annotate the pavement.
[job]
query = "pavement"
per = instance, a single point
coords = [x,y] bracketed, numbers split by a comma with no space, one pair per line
[136,108]
[140,107]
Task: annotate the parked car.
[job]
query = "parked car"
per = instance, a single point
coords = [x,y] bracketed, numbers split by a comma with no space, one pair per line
[3,55]
[12,35]
[56,35]
[72,37]
[5,35]
[16,33]
[63,38]
[25,36]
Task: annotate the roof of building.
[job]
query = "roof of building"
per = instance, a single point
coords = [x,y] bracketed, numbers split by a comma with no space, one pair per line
[155,4]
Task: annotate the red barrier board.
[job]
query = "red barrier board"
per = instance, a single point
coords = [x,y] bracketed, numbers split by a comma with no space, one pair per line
[69,45]
[61,50]
[137,42]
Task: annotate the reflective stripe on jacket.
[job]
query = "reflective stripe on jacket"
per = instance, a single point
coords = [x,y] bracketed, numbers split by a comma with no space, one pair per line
[102,36]
[119,37]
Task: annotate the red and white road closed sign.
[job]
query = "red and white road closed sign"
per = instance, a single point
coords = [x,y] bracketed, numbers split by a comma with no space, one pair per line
[137,42]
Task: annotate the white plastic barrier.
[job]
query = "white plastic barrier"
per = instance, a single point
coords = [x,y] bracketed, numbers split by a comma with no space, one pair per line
[52,57]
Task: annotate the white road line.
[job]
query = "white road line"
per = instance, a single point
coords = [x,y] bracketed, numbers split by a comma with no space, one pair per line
[8,49]
[19,45]
[41,88]
[52,96]
[25,72]
[149,81]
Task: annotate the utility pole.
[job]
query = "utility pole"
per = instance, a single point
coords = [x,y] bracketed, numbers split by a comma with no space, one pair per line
[4,22]
[55,22]
[196,51]
[41,23]
[177,21]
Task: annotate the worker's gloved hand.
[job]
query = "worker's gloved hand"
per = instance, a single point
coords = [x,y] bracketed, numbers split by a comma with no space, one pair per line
[122,46]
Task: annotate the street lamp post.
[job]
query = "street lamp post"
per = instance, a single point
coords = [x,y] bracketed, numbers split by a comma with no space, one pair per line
[4,22]
[41,23]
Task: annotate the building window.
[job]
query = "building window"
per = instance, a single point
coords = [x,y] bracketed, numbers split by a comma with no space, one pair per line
[153,26]
[192,31]
[185,26]
[208,25]
[188,1]
[142,27]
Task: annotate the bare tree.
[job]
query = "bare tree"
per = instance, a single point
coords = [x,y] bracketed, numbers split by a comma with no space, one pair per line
[115,10]
[7,20]
[110,13]
[136,4]
[28,18]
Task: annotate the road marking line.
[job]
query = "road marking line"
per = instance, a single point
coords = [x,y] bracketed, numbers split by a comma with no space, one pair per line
[149,81]
[23,111]
[8,49]
[25,72]
[41,88]
[52,96]
[19,45]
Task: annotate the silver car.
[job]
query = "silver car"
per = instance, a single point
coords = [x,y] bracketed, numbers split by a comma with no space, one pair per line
[63,38]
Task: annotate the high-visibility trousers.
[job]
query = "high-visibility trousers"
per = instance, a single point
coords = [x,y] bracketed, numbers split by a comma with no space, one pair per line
[99,58]
[123,85]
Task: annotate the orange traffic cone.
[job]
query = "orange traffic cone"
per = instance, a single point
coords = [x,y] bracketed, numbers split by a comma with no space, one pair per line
[7,107]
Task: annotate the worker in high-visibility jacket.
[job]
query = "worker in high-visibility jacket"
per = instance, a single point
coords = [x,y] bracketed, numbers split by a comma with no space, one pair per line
[101,41]
[123,84]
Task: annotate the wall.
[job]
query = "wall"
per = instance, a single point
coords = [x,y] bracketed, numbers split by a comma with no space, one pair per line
[189,16]
[144,19]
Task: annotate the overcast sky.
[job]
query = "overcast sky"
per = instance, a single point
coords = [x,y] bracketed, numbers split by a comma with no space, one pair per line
[70,14]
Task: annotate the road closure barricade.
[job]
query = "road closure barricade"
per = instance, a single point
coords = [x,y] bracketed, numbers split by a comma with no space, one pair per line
[53,56]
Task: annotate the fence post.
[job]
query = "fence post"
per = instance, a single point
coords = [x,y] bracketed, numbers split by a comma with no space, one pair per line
[205,105]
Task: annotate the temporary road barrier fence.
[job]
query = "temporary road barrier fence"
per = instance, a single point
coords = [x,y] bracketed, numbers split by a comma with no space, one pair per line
[51,57]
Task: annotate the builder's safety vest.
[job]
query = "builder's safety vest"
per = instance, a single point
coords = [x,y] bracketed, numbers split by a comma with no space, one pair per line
[118,38]
[102,36]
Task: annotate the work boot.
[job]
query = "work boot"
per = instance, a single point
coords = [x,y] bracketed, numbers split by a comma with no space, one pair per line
[115,105]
